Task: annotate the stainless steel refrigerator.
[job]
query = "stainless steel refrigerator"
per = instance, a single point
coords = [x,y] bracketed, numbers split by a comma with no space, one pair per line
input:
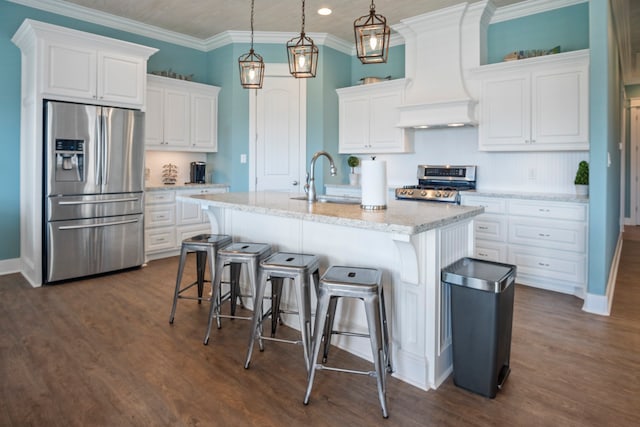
[93,190]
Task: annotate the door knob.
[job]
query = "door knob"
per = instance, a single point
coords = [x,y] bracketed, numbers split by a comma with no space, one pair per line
[294,183]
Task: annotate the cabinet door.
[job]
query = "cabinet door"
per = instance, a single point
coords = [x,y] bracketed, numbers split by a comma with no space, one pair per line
[354,125]
[505,114]
[121,79]
[384,136]
[71,71]
[176,118]
[153,120]
[560,109]
[188,213]
[204,134]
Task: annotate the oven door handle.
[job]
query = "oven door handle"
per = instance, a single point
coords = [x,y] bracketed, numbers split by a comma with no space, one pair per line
[106,224]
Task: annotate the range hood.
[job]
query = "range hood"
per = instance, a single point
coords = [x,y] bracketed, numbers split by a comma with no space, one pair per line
[439,47]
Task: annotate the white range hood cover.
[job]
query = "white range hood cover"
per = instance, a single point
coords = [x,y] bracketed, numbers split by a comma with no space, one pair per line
[439,47]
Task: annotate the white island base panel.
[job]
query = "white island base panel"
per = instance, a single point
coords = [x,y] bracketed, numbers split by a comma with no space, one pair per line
[417,304]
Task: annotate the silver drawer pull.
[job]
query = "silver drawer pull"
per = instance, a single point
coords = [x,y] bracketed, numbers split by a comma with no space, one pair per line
[78,227]
[544,235]
[480,227]
[544,210]
[542,264]
[93,202]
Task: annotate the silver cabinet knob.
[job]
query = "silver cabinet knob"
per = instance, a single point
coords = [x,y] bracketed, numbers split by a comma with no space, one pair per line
[294,183]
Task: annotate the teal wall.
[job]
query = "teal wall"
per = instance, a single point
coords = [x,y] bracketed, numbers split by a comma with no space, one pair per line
[604,129]
[567,27]
[394,67]
[633,91]
[576,27]
[179,59]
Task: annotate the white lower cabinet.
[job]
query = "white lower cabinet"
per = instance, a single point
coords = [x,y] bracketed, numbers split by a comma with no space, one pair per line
[546,240]
[169,221]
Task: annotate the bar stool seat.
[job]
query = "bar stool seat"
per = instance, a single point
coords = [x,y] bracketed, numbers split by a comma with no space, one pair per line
[364,284]
[301,269]
[205,246]
[235,255]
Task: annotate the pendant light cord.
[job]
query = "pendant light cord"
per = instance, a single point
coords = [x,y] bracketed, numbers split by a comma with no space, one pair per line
[252,24]
[302,17]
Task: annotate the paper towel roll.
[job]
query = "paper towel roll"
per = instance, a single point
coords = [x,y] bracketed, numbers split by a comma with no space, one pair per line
[373,181]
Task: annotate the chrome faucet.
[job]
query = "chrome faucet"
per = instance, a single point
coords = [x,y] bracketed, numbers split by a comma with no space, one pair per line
[310,186]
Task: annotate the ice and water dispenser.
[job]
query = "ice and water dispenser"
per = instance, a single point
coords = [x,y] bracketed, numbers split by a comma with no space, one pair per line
[69,154]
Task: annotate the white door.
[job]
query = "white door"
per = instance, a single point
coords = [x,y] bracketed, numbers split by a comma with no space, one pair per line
[278,132]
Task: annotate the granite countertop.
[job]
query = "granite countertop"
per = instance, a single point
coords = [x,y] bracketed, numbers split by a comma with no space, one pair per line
[401,216]
[551,197]
[185,186]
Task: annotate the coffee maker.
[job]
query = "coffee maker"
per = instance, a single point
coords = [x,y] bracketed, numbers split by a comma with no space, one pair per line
[198,172]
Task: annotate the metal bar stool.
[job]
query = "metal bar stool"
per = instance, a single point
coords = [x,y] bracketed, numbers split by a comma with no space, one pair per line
[300,269]
[205,246]
[235,255]
[364,284]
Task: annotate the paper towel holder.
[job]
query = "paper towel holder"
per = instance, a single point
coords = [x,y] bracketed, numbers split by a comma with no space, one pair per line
[373,207]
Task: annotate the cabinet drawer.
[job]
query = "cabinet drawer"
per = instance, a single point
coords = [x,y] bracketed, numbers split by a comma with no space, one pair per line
[548,264]
[490,204]
[186,232]
[157,197]
[491,251]
[158,216]
[555,210]
[563,235]
[159,239]
[491,227]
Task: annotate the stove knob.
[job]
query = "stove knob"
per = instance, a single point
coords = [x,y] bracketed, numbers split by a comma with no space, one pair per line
[438,193]
[423,193]
[410,192]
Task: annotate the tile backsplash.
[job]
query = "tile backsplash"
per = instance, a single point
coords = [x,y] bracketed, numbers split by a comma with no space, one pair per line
[154,160]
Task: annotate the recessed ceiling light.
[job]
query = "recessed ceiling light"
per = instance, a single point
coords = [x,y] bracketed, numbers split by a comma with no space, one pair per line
[324,11]
[455,125]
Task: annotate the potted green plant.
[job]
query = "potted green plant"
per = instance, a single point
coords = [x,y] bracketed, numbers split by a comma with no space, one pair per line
[353,162]
[582,179]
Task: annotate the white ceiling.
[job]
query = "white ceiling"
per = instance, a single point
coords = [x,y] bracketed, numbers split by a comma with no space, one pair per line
[205,19]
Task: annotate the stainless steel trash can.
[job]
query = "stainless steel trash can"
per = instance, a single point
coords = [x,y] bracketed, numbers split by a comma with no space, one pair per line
[481,318]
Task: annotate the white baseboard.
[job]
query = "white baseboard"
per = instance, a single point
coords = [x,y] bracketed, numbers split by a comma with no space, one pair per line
[601,304]
[8,266]
[629,221]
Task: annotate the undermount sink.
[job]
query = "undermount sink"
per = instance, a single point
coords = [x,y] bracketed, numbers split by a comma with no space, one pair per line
[333,199]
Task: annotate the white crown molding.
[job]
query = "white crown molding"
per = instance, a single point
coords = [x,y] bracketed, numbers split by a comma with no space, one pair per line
[116,22]
[530,7]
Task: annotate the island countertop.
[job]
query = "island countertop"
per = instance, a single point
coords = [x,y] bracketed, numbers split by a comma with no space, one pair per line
[401,216]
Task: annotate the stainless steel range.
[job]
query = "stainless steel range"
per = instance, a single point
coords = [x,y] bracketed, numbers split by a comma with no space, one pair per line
[440,183]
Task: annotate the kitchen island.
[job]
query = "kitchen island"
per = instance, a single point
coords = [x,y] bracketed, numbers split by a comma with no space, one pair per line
[410,241]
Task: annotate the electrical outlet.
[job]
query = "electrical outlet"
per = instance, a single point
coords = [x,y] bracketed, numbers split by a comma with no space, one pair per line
[243,158]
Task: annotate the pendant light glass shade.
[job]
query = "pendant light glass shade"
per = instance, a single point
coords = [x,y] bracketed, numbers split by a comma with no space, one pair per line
[251,65]
[302,54]
[372,37]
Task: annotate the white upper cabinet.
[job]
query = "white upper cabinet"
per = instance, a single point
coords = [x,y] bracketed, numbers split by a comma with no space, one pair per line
[368,118]
[538,104]
[82,67]
[181,115]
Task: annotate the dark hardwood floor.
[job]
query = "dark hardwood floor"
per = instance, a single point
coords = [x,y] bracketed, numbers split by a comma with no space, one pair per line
[101,352]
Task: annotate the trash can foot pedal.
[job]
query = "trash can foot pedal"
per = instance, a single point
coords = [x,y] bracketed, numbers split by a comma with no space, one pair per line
[504,373]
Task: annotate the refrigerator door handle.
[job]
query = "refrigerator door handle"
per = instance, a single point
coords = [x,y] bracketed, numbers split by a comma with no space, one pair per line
[76,227]
[106,139]
[87,202]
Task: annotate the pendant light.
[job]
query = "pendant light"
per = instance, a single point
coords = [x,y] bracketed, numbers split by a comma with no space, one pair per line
[303,54]
[251,65]
[372,37]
